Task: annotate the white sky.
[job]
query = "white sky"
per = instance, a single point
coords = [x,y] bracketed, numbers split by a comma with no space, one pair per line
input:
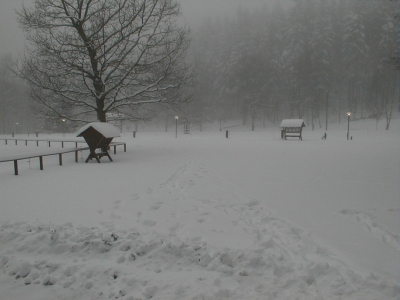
[194,11]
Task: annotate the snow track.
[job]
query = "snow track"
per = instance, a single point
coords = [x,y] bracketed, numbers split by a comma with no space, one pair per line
[373,227]
[203,217]
[102,263]
[193,253]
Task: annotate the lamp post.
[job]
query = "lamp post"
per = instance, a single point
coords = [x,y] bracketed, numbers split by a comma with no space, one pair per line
[63,119]
[348,124]
[176,126]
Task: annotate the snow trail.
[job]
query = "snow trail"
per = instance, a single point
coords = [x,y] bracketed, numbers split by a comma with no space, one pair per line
[182,221]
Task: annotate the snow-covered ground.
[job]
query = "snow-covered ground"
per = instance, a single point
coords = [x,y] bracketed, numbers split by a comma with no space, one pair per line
[205,217]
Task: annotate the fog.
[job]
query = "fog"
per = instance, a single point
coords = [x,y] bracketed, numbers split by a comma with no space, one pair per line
[193,11]
[11,36]
[261,61]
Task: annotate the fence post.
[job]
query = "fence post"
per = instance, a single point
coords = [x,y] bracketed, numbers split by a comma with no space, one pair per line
[134,134]
[16,167]
[12,134]
[37,133]
[41,162]
[227,134]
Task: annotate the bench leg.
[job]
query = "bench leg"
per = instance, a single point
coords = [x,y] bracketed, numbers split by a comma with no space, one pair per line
[124,147]
[16,167]
[109,157]
[60,158]
[115,149]
[76,156]
[93,155]
[41,162]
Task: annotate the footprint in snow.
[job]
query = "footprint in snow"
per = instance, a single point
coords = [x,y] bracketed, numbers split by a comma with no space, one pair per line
[115,217]
[149,223]
[155,207]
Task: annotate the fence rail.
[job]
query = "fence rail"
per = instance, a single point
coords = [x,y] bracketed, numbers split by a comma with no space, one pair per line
[59,152]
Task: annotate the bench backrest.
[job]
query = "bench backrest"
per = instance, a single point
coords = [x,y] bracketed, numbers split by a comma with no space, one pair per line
[293,129]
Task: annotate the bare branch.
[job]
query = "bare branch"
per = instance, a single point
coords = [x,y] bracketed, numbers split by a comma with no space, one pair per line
[97,56]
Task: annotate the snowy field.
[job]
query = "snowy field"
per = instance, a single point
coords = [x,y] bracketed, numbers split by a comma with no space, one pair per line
[205,217]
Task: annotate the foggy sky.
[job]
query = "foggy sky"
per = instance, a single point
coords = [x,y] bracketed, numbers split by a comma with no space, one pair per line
[193,11]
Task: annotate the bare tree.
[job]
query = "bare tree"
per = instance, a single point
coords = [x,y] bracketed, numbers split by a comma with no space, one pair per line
[88,58]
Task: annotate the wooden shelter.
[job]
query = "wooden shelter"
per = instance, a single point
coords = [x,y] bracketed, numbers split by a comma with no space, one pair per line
[292,128]
[98,136]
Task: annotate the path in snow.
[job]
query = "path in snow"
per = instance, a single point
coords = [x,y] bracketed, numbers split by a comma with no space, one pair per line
[204,217]
[215,246]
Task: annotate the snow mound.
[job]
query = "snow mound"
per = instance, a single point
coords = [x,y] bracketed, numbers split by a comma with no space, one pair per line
[109,263]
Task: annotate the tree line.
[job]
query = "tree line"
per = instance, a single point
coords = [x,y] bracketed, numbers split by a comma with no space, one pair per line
[130,60]
[315,60]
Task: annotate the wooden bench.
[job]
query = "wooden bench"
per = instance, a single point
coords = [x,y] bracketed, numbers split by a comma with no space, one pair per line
[292,132]
[292,128]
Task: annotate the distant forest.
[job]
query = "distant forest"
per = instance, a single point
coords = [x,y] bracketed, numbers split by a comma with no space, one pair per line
[316,60]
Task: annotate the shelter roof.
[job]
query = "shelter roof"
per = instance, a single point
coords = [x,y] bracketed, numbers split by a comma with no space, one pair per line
[293,123]
[106,129]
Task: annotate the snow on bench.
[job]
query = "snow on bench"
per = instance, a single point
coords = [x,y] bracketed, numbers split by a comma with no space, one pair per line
[292,128]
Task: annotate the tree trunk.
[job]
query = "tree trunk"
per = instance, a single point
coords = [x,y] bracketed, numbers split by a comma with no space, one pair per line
[101,115]
[326,110]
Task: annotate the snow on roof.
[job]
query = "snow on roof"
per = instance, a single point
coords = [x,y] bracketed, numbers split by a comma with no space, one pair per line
[106,129]
[293,123]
